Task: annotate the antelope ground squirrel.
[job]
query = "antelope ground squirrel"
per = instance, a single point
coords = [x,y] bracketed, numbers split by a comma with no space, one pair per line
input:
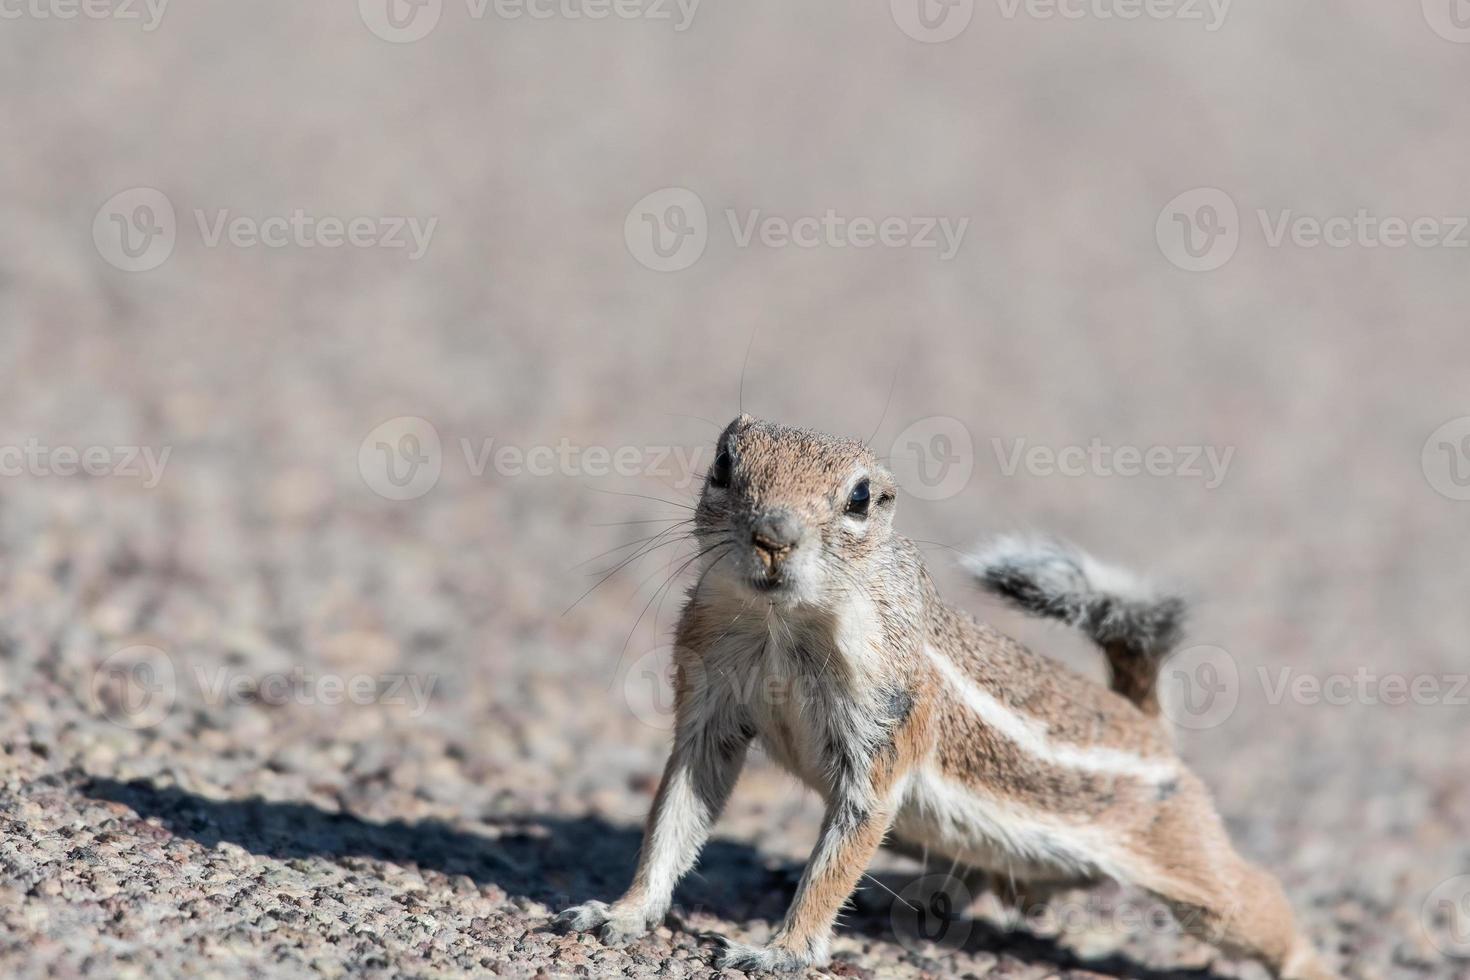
[815,628]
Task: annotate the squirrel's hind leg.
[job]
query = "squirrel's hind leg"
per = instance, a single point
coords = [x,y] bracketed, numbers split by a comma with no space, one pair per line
[1186,860]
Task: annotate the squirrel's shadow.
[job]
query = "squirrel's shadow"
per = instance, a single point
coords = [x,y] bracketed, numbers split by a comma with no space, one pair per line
[554,860]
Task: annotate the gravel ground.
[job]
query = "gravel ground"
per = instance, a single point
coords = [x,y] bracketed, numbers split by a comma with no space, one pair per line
[260,718]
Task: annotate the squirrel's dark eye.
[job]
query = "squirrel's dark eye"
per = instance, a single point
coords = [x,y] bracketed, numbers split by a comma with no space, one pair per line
[719,473]
[857,503]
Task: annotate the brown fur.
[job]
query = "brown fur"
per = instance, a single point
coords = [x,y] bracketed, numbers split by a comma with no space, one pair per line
[823,645]
[1135,679]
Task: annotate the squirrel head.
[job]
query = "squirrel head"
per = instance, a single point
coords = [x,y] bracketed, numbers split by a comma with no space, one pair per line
[792,515]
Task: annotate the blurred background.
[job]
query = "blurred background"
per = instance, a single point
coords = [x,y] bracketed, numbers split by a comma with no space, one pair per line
[336,338]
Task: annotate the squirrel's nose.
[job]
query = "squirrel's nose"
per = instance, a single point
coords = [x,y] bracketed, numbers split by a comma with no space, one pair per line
[775,533]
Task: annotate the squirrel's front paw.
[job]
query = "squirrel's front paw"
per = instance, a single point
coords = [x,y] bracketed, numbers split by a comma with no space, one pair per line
[776,959]
[614,926]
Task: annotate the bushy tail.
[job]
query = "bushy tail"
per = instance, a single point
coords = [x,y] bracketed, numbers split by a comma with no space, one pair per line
[1135,626]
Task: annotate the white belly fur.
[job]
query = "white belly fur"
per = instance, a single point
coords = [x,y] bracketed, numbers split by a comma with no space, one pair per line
[950,820]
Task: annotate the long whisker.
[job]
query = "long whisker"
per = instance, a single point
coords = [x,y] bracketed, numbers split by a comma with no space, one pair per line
[664,589]
[657,592]
[649,549]
[629,544]
[724,672]
[887,889]
[651,520]
[937,544]
[892,383]
[658,611]
[637,589]
[725,538]
[697,418]
[641,496]
[615,569]
[743,365]
[743,608]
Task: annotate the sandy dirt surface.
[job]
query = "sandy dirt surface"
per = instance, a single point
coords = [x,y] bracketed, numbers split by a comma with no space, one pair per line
[259,716]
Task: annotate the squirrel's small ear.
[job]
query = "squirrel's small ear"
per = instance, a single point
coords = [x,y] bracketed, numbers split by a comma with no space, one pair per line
[740,423]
